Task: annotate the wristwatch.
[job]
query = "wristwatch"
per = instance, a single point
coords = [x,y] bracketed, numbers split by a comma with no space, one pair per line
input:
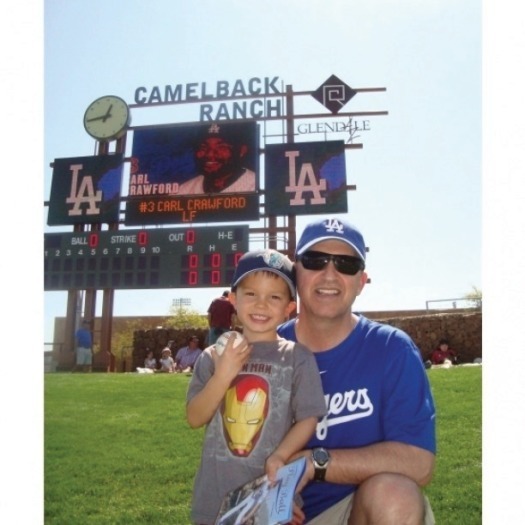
[320,458]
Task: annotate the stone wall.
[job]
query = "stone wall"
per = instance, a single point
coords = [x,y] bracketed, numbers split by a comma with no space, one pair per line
[463,331]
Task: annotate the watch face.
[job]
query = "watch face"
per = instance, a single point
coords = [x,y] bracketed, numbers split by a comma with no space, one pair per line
[107,118]
[321,456]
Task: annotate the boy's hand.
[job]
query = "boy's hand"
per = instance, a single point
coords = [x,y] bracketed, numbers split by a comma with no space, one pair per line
[308,471]
[231,361]
[273,463]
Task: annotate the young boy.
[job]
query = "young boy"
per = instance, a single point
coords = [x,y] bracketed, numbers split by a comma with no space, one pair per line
[260,400]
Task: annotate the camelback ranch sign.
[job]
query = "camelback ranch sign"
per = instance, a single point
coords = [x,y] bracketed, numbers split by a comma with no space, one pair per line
[262,91]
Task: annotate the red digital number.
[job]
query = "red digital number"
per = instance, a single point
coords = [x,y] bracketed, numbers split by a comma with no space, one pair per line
[216,277]
[215,260]
[193,278]
[190,236]
[193,261]
[93,240]
[143,238]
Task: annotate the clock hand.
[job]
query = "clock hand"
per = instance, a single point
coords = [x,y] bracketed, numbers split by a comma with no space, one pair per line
[103,117]
[108,114]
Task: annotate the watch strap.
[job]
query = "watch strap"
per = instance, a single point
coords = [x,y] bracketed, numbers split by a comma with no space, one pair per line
[319,473]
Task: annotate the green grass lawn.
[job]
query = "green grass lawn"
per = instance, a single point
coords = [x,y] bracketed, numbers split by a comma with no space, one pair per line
[118,450]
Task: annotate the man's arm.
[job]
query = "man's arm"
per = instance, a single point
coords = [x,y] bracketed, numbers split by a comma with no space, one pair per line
[353,466]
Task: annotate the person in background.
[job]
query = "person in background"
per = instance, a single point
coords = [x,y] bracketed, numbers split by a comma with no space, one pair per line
[259,400]
[150,362]
[167,364]
[221,315]
[187,355]
[375,449]
[442,352]
[84,347]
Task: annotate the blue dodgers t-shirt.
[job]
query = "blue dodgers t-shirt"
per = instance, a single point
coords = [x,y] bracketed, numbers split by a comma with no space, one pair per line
[376,389]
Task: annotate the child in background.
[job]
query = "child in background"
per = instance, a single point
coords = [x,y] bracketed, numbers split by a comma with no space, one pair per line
[260,400]
[150,362]
[167,364]
[443,352]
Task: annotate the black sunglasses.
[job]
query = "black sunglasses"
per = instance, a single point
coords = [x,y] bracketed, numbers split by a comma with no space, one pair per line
[347,264]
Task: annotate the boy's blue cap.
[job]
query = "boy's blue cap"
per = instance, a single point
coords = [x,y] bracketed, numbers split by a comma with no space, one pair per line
[331,228]
[265,260]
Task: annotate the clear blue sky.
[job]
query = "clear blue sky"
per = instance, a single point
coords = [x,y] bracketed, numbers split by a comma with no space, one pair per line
[418,176]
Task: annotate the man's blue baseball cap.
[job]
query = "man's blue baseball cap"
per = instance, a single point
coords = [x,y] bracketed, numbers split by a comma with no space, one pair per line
[331,228]
[265,260]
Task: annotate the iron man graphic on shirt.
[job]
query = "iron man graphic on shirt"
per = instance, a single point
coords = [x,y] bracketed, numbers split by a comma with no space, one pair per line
[244,412]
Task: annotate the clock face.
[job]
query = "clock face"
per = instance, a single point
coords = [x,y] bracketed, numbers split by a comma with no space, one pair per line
[107,118]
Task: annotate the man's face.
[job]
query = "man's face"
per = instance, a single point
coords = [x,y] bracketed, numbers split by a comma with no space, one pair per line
[214,156]
[328,293]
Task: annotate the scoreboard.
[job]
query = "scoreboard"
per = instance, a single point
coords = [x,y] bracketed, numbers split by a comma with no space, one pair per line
[143,258]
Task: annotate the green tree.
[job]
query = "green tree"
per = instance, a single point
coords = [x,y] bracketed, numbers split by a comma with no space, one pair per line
[182,317]
[475,297]
[122,341]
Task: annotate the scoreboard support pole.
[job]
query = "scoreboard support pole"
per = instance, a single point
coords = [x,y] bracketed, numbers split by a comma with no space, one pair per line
[108,295]
[90,301]
[69,359]
[292,233]
[72,317]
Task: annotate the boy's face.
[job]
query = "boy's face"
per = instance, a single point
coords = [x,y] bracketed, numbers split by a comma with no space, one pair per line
[262,301]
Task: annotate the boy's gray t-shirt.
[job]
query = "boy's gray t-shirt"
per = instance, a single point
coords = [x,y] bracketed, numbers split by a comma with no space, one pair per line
[280,384]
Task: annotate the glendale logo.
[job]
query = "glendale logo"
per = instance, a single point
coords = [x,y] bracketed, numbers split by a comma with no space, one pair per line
[333,94]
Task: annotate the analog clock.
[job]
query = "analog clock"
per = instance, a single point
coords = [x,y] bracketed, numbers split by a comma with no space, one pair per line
[107,118]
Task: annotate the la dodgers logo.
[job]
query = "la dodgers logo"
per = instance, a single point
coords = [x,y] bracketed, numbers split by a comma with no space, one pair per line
[306,182]
[333,225]
[85,194]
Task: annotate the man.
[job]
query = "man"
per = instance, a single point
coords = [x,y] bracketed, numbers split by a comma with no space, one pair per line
[84,343]
[187,355]
[219,158]
[379,434]
[220,317]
